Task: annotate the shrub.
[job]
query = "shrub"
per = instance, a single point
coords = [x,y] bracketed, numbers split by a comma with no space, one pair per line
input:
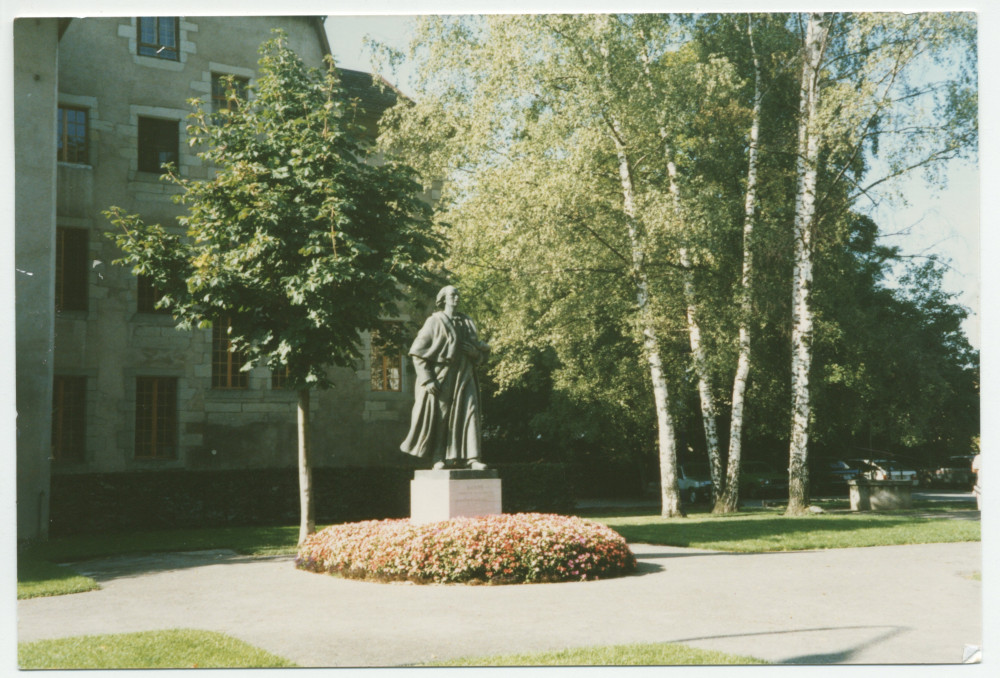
[539,487]
[497,549]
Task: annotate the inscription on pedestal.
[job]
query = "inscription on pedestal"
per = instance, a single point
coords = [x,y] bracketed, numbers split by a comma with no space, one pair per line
[447,494]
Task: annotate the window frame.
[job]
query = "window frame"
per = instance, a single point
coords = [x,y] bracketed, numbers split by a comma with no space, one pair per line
[279,379]
[157,439]
[81,154]
[158,50]
[381,366]
[219,95]
[227,363]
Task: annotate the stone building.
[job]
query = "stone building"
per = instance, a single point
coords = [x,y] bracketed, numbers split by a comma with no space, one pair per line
[105,383]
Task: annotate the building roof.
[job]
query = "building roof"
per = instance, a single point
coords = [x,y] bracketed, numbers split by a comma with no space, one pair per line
[374,92]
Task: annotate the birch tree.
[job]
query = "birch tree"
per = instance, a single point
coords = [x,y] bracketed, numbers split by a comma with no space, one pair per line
[727,500]
[810,135]
[865,117]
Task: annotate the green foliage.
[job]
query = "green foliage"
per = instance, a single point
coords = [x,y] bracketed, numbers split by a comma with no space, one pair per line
[898,373]
[170,649]
[301,239]
[641,654]
[516,111]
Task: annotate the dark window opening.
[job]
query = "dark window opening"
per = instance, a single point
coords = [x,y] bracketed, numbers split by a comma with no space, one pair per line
[71,269]
[148,296]
[69,397]
[279,378]
[156,418]
[158,142]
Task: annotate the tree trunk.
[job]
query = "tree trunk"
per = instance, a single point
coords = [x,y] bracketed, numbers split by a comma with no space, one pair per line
[729,500]
[669,494]
[307,525]
[708,410]
[697,350]
[802,317]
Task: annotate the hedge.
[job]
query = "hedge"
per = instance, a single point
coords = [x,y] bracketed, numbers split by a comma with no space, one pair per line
[102,502]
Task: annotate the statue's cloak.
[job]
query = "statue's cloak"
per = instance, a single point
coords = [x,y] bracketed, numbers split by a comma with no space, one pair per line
[446,425]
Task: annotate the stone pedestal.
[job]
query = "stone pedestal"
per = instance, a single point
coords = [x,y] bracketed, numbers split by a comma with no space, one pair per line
[446,494]
[880,495]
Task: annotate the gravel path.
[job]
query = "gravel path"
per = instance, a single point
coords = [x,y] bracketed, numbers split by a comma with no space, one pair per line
[890,604]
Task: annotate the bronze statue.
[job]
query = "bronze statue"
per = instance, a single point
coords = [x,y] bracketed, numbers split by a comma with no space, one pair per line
[446,424]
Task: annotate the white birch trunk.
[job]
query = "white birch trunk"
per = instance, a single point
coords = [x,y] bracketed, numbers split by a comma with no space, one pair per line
[708,410]
[802,316]
[697,350]
[307,525]
[729,500]
[669,494]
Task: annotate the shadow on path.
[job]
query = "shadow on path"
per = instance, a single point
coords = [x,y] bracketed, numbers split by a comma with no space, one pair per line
[122,567]
[827,658]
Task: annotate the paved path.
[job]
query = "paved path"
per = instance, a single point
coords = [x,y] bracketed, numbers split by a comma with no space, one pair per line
[891,604]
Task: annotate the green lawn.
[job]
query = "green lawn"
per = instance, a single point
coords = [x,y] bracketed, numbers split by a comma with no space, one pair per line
[646,654]
[38,574]
[37,578]
[176,648]
[770,530]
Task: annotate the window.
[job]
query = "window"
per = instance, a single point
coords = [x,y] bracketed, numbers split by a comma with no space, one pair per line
[71,135]
[221,84]
[148,295]
[158,37]
[158,142]
[226,362]
[68,418]
[71,269]
[279,378]
[387,367]
[156,418]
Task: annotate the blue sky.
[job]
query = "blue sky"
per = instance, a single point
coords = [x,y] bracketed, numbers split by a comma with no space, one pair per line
[938,219]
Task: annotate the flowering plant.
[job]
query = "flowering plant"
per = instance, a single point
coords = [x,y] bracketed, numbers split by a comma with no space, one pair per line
[500,549]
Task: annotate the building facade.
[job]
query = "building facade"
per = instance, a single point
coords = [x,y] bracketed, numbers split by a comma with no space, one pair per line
[105,383]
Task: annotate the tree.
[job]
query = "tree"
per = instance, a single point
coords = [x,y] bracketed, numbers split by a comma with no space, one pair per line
[898,375]
[300,240]
[727,495]
[863,120]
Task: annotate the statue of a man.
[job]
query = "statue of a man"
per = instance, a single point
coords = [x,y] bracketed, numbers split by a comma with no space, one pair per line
[446,423]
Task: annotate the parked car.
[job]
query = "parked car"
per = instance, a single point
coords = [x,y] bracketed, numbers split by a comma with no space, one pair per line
[886,469]
[694,480]
[956,472]
[758,479]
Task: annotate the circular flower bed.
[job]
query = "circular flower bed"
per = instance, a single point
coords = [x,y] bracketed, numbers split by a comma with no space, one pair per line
[498,549]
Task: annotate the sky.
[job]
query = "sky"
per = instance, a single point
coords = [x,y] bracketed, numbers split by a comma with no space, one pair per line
[942,220]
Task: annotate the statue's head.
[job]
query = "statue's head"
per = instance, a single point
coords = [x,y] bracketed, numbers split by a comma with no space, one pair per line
[442,296]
